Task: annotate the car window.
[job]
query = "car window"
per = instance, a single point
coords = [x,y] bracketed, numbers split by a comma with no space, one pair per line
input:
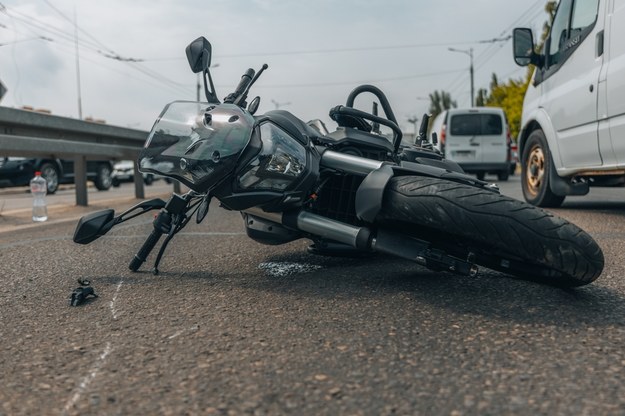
[559,31]
[476,124]
[584,14]
[491,124]
[572,17]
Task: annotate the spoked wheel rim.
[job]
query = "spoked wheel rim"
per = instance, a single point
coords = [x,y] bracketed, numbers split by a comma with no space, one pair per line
[535,171]
[105,177]
[51,176]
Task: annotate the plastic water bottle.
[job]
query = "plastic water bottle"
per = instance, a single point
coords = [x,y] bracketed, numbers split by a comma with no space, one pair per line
[39,188]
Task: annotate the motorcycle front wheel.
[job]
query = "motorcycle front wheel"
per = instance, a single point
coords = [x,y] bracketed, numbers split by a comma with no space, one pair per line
[504,234]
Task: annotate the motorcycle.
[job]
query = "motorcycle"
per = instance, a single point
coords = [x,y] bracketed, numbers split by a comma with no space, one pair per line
[351,191]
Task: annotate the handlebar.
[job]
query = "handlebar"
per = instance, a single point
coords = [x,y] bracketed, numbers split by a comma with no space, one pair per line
[161,223]
[386,106]
[390,120]
[246,79]
[376,119]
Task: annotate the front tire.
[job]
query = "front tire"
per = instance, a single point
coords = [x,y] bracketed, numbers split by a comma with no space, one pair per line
[535,172]
[505,234]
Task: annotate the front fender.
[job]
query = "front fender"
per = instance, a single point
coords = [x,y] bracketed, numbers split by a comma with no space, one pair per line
[370,193]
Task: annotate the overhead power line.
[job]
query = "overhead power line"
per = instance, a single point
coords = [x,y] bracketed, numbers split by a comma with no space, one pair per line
[60,36]
[340,50]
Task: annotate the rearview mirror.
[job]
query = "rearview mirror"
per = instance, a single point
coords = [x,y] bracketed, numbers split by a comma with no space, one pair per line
[199,54]
[523,46]
[93,226]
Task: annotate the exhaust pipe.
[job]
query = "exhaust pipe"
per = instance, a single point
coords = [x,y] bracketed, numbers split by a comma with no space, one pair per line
[362,238]
[351,235]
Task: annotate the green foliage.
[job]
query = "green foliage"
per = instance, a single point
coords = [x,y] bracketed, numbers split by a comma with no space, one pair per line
[509,96]
[439,102]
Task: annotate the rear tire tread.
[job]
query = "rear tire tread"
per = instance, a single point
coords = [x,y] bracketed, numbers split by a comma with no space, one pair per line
[540,238]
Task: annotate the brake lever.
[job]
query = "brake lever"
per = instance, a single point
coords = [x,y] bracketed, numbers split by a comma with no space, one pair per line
[144,206]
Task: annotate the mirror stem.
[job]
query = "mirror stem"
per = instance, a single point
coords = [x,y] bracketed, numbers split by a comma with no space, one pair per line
[211,96]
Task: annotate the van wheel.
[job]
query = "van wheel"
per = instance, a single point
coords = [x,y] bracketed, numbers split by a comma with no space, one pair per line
[503,175]
[536,163]
[480,175]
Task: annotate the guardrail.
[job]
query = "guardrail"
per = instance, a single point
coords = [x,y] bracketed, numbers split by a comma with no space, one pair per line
[33,134]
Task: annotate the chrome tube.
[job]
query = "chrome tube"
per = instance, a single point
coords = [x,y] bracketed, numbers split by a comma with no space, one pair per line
[328,229]
[271,216]
[318,225]
[349,163]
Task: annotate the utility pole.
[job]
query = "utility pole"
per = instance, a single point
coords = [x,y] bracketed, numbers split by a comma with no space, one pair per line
[470,53]
[413,120]
[77,65]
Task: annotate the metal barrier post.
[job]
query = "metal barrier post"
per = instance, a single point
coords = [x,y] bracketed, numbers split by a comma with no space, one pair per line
[138,179]
[80,178]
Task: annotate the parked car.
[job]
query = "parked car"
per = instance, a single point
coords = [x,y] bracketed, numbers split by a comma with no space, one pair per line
[124,171]
[478,139]
[573,123]
[18,171]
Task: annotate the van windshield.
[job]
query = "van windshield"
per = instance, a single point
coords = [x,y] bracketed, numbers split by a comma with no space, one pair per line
[476,125]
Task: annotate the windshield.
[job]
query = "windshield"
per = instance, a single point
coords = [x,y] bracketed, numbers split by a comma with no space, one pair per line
[197,143]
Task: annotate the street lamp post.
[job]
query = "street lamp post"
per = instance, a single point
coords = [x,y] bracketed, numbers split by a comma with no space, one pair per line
[470,53]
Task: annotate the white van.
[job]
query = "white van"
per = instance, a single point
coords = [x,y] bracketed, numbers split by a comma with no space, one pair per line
[573,124]
[478,139]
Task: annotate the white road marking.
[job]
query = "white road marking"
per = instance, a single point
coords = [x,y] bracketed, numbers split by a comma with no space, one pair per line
[84,383]
[112,305]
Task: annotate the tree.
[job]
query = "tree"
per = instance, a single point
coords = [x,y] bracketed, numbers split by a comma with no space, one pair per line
[510,94]
[481,97]
[439,102]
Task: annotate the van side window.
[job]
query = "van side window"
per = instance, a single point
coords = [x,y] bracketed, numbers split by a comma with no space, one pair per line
[559,31]
[568,27]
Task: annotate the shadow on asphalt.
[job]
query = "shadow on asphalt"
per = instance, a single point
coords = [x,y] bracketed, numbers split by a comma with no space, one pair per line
[491,294]
[615,207]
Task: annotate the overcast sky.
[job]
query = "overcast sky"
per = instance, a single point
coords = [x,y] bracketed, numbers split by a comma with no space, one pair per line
[317,51]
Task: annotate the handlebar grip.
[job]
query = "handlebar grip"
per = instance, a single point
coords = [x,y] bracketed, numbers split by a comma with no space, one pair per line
[145,250]
[245,80]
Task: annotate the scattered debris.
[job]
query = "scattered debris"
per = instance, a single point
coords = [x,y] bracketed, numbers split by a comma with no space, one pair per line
[282,269]
[82,293]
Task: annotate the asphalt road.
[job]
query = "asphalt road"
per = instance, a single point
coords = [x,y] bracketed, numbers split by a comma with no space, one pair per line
[234,327]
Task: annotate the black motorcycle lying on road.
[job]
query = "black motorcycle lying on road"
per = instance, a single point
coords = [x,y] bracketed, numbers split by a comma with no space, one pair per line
[350,191]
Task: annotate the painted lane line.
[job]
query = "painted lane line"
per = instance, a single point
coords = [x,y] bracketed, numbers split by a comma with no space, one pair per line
[84,383]
[112,305]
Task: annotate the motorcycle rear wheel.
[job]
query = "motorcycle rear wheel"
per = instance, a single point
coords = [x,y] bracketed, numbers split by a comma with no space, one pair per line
[505,234]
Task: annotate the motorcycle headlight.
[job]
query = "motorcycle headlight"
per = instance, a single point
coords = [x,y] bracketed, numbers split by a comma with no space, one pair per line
[281,161]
